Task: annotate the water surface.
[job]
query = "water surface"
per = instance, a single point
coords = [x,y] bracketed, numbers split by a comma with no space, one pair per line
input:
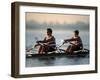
[33,36]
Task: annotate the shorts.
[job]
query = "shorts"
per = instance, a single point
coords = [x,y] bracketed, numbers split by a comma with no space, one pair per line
[50,49]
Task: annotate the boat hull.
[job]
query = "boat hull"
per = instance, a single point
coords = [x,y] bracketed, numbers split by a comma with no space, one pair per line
[79,54]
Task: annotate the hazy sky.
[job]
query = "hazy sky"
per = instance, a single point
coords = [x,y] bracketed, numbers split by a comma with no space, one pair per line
[56,18]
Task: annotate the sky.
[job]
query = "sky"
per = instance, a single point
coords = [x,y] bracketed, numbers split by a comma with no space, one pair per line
[56,18]
[42,21]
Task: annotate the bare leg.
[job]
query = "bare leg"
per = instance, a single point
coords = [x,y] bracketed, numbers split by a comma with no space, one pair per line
[43,50]
[40,49]
[73,48]
[68,49]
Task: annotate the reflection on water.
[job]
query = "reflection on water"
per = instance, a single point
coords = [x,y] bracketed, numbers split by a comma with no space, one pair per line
[56,61]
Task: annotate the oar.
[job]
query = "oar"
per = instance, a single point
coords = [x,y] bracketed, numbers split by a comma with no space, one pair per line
[36,39]
[29,49]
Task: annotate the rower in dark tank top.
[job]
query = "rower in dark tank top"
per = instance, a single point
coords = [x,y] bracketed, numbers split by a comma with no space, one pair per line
[76,42]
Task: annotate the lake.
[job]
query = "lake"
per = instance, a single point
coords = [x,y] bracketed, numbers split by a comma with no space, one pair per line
[32,36]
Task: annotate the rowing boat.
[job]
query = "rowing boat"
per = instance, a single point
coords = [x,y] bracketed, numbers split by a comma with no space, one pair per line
[79,53]
[58,52]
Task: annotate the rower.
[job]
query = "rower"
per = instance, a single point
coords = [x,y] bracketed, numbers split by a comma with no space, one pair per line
[49,43]
[76,43]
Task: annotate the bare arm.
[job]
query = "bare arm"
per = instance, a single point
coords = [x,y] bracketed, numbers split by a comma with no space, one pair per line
[51,40]
[72,39]
[41,41]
